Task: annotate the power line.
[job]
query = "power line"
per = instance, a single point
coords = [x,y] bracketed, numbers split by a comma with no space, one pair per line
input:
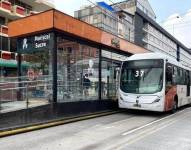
[180,23]
[102,9]
[177,26]
[116,5]
[177,17]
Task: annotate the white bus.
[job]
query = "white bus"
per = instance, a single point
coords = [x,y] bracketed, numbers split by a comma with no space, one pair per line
[154,82]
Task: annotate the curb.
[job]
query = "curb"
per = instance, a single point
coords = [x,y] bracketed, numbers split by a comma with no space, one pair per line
[54,123]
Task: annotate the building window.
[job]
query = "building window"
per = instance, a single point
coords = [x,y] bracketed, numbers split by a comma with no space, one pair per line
[2,20]
[3,43]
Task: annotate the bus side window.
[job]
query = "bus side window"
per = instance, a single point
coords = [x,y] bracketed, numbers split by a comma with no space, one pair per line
[183,77]
[178,76]
[186,77]
[175,75]
[169,73]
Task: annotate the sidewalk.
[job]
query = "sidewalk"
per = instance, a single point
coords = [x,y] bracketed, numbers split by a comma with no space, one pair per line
[19,105]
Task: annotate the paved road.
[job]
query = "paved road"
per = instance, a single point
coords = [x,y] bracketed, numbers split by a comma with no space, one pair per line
[129,130]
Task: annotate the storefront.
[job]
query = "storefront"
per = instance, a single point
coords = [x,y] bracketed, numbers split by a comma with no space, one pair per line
[71,63]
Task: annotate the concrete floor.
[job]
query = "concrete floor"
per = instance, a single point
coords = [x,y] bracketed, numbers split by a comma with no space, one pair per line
[130,130]
[19,105]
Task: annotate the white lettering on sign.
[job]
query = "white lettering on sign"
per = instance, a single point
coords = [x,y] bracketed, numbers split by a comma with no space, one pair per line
[39,45]
[42,37]
[41,40]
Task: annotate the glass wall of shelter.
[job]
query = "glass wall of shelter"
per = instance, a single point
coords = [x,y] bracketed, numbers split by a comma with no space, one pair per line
[83,72]
[28,84]
[84,68]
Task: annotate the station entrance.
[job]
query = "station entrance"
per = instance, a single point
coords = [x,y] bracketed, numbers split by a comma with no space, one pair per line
[64,67]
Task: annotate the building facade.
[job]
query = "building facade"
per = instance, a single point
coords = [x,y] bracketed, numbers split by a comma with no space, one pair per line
[144,30]
[156,39]
[105,17]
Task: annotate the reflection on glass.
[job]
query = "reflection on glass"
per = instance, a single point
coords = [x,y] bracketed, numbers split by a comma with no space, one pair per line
[142,77]
[77,71]
[37,77]
[111,63]
[33,88]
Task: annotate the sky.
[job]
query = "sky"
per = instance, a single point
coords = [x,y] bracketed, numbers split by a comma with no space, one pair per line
[173,15]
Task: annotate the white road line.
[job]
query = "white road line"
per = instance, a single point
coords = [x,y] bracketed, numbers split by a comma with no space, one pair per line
[141,136]
[146,125]
[109,127]
[117,123]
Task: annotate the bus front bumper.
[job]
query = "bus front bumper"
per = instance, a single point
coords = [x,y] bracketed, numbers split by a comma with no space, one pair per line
[158,107]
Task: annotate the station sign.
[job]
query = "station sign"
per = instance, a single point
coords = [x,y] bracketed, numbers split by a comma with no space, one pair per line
[115,42]
[35,43]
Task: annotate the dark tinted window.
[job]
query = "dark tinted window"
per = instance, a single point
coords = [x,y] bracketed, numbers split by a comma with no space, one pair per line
[142,76]
[144,64]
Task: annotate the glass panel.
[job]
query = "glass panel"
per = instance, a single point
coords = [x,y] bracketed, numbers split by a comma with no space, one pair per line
[111,63]
[33,88]
[77,71]
[142,76]
[37,77]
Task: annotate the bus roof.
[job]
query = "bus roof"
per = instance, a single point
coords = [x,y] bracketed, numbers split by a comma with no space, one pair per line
[157,55]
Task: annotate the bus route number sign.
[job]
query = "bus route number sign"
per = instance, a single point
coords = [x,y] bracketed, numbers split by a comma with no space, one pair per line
[139,73]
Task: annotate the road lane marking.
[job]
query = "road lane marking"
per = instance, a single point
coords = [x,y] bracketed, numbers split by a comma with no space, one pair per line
[118,123]
[142,135]
[109,127]
[150,131]
[151,123]
[55,123]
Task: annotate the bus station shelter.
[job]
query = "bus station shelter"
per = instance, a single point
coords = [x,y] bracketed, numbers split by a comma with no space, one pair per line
[72,65]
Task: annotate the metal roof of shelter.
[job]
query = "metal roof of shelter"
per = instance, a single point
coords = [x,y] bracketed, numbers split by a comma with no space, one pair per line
[54,20]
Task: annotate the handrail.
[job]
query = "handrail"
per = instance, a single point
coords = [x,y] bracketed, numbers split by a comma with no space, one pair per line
[3,83]
[16,88]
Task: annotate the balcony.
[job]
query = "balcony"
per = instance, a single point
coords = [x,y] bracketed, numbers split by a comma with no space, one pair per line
[19,11]
[145,38]
[33,13]
[40,5]
[3,30]
[12,12]
[146,28]
[5,6]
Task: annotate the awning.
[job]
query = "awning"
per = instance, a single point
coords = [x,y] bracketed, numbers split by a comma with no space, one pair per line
[11,63]
[106,6]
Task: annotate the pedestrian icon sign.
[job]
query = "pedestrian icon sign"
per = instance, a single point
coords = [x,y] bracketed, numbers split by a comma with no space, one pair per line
[25,45]
[39,42]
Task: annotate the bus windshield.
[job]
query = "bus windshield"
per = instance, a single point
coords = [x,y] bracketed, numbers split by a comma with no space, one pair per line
[142,76]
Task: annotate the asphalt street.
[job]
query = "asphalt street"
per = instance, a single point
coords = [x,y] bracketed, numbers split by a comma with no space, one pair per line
[131,130]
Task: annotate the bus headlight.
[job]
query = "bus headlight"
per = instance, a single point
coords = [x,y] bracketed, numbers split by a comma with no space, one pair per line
[156,100]
[121,98]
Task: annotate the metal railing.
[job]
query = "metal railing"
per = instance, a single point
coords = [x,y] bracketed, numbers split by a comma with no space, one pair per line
[15,94]
[19,93]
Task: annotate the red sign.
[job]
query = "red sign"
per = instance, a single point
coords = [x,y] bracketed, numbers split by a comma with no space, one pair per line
[6,55]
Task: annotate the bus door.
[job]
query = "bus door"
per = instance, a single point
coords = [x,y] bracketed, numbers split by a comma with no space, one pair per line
[170,88]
